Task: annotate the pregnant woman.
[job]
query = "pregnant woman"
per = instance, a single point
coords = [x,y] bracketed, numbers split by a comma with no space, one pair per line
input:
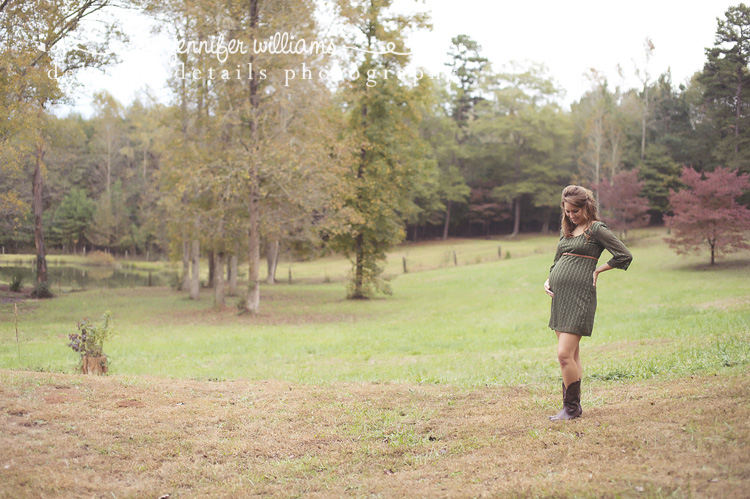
[572,286]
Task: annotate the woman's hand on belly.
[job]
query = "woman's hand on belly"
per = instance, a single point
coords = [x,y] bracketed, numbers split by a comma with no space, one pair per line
[547,288]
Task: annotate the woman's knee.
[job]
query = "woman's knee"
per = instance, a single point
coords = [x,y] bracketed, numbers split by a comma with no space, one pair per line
[565,358]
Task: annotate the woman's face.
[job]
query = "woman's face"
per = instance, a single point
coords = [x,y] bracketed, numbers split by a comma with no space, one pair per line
[574,213]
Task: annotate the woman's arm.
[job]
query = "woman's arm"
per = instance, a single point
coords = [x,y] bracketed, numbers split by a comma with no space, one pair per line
[621,256]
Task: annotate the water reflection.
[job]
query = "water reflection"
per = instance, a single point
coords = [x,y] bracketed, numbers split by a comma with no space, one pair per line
[83,277]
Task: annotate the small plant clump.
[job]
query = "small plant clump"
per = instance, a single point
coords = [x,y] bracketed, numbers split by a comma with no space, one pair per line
[15,283]
[89,343]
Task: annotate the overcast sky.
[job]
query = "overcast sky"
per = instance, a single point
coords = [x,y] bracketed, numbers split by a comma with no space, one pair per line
[568,37]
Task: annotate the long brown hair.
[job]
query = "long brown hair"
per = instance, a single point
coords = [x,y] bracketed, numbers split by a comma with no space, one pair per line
[580,197]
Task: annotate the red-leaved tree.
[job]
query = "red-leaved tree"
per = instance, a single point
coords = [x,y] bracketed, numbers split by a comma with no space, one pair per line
[621,205]
[706,212]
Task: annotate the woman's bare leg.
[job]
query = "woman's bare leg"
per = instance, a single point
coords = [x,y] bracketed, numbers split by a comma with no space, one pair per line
[568,354]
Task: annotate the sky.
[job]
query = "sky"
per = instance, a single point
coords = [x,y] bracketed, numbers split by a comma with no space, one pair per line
[569,38]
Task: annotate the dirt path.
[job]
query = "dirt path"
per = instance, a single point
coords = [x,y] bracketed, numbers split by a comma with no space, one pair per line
[121,436]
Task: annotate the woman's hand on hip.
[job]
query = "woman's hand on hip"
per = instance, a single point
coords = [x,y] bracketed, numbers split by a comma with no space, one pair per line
[601,268]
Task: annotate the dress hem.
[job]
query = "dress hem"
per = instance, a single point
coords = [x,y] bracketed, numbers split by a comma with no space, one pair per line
[562,330]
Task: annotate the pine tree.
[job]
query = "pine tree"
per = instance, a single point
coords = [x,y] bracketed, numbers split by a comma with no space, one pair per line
[726,79]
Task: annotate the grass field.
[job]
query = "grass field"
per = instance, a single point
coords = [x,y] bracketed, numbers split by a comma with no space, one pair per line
[439,390]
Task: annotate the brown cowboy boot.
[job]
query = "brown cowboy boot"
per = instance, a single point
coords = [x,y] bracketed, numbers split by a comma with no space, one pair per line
[563,392]
[571,403]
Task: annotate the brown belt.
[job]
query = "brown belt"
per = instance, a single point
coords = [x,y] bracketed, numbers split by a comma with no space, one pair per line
[583,256]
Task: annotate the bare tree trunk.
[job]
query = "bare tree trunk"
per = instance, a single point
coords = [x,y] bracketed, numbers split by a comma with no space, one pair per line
[211,269]
[272,259]
[41,290]
[643,134]
[517,216]
[109,164]
[359,241]
[195,278]
[252,303]
[359,268]
[233,275]
[545,220]
[219,280]
[447,220]
[740,72]
[185,265]
[520,142]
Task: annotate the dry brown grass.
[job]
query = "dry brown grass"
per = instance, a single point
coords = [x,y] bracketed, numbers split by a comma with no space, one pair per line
[78,436]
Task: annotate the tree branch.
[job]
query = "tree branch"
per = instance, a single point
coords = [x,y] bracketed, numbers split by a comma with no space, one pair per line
[75,18]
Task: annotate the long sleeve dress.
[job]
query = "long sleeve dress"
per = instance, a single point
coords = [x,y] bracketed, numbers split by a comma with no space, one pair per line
[571,277]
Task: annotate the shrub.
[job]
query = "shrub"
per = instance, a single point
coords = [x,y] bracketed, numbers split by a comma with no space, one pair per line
[41,290]
[100,258]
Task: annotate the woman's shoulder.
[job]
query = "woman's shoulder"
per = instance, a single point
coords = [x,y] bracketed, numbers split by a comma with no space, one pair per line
[598,224]
[595,227]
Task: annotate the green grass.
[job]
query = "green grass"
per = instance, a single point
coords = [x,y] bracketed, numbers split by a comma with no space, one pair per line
[481,322]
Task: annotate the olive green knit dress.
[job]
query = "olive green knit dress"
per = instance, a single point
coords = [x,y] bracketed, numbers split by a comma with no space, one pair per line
[571,277]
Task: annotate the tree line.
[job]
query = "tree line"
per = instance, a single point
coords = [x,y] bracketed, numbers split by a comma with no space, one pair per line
[239,168]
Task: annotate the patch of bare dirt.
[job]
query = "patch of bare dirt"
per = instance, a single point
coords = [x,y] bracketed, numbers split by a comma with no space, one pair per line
[8,296]
[728,303]
[148,437]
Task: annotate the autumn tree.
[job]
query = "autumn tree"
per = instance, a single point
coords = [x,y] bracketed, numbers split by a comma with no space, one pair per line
[32,48]
[622,205]
[706,212]
[255,149]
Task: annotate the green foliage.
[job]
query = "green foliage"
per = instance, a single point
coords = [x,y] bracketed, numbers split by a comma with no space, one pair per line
[726,81]
[660,175]
[41,290]
[320,168]
[390,162]
[73,217]
[111,222]
[526,131]
[468,68]
[90,339]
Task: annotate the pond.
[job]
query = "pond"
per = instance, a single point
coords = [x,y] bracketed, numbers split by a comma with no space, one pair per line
[66,276]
